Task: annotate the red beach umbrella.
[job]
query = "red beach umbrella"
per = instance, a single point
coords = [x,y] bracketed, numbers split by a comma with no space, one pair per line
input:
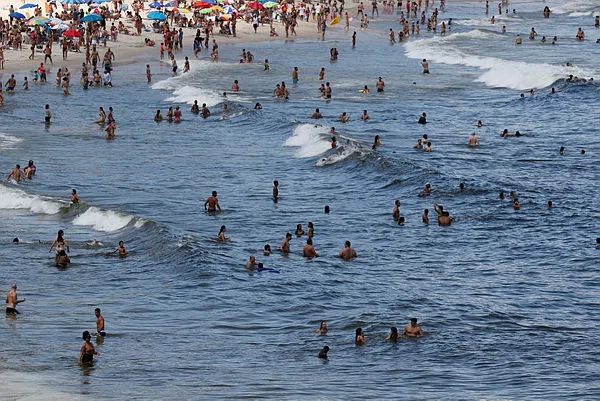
[255,5]
[201,5]
[72,33]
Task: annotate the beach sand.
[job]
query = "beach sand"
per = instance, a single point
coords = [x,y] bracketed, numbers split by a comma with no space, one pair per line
[130,46]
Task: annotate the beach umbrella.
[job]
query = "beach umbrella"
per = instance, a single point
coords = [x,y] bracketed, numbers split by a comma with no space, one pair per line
[222,1]
[72,33]
[35,22]
[255,5]
[156,16]
[269,4]
[229,9]
[60,27]
[217,8]
[73,1]
[54,21]
[205,11]
[201,5]
[92,18]
[28,5]
[156,4]
[16,15]
[211,2]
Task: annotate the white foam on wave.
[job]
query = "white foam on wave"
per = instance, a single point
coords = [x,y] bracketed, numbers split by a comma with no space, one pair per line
[187,94]
[311,140]
[341,154]
[14,199]
[23,386]
[8,141]
[573,6]
[498,73]
[580,13]
[105,220]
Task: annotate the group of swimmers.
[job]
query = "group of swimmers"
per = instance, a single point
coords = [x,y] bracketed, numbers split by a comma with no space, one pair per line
[412,330]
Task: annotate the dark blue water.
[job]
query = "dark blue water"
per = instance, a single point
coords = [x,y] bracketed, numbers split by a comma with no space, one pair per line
[507,299]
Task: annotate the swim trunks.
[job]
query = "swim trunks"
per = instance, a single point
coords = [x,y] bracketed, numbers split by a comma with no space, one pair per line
[47,120]
[295,81]
[102,333]
[379,89]
[425,71]
[12,311]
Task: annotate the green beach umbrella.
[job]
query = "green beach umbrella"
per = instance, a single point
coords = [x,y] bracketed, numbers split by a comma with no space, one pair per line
[205,11]
[269,4]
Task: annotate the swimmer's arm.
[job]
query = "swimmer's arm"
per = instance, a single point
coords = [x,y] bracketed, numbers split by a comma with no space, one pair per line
[205,203]
[52,246]
[81,353]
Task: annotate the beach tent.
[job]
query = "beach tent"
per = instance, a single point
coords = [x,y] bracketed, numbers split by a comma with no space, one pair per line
[156,16]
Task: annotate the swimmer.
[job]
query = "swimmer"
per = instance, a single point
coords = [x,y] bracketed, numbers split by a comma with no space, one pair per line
[30,170]
[444,219]
[426,191]
[101,116]
[212,202]
[598,242]
[299,231]
[359,337]
[518,40]
[285,245]
[550,204]
[473,140]
[257,106]
[317,114]
[396,211]
[74,198]
[99,323]
[195,107]
[235,87]
[425,218]
[379,85]
[561,151]
[148,73]
[332,131]
[516,204]
[251,263]
[121,249]
[401,221]
[309,250]
[419,144]
[222,237]
[12,301]
[59,242]
[365,116]
[347,253]
[479,124]
[275,191]
[323,353]
[425,66]
[322,74]
[327,210]
[393,336]
[311,229]
[158,117]
[376,143]
[423,119]
[205,111]
[427,147]
[266,65]
[16,174]
[412,329]
[344,118]
[295,76]
[365,90]
[177,115]
[267,250]
[461,186]
[86,355]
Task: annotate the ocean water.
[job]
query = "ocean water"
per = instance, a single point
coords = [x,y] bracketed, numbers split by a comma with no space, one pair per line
[507,299]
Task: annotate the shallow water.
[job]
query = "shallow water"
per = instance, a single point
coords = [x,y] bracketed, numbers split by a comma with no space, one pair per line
[507,299]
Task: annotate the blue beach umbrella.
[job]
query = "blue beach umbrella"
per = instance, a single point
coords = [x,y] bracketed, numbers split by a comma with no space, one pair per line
[28,5]
[16,15]
[157,16]
[92,18]
[213,2]
[156,4]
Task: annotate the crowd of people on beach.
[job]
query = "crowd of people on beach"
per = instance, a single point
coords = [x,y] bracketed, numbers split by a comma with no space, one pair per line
[96,34]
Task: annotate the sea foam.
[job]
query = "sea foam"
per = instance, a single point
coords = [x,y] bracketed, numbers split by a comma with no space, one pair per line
[13,198]
[105,220]
[311,140]
[498,73]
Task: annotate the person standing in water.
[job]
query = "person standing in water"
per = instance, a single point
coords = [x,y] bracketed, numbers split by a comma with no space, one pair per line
[212,202]
[74,198]
[412,329]
[275,191]
[16,174]
[121,249]
[12,301]
[99,323]
[86,355]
